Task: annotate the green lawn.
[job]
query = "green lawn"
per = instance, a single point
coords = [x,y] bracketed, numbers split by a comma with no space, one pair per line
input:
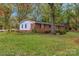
[39,44]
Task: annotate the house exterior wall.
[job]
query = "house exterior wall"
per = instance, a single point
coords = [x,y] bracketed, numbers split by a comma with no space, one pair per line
[47,28]
[28,25]
[37,27]
[31,25]
[42,28]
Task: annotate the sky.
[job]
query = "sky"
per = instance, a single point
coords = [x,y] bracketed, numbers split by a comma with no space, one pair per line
[14,11]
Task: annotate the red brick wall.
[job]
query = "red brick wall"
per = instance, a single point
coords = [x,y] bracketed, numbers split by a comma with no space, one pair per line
[42,27]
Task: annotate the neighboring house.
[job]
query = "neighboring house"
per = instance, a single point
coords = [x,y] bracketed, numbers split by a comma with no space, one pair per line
[34,26]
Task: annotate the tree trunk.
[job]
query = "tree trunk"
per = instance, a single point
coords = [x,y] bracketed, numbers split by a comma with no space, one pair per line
[53,28]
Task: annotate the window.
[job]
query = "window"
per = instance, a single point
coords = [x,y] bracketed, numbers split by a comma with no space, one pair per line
[22,25]
[25,25]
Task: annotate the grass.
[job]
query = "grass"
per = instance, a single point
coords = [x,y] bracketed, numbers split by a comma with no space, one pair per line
[39,44]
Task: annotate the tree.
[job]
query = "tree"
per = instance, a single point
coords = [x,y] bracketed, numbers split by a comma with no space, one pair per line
[45,11]
[40,12]
[76,13]
[52,6]
[36,13]
[7,11]
[55,14]
[23,10]
[71,15]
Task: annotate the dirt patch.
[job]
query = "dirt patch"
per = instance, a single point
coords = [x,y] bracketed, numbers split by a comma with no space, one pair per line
[76,40]
[60,49]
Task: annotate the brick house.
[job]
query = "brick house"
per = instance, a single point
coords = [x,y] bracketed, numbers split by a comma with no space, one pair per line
[29,26]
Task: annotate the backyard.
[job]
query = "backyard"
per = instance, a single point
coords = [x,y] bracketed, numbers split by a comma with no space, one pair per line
[39,44]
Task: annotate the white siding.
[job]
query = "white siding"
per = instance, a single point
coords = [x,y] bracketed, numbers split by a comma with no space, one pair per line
[28,25]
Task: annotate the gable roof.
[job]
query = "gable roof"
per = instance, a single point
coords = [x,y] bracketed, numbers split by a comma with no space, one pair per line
[27,20]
